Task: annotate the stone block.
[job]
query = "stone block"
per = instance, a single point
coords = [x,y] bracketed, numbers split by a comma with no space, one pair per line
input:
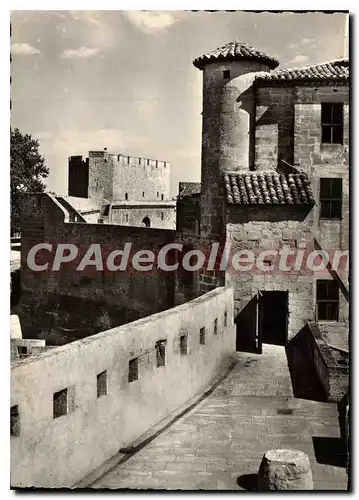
[254,235]
[285,470]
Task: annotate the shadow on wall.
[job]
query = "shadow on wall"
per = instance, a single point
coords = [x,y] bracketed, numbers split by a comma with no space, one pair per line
[305,381]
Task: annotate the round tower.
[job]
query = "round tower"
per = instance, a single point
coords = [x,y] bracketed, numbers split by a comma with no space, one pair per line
[227,121]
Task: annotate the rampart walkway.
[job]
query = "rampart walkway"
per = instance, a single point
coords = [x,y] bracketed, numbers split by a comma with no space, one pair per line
[219,444]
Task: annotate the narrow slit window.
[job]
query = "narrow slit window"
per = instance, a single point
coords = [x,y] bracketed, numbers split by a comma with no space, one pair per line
[102,384]
[215,327]
[161,352]
[202,336]
[133,370]
[143,194]
[161,215]
[183,345]
[225,319]
[14,421]
[162,197]
[126,217]
[60,403]
[126,196]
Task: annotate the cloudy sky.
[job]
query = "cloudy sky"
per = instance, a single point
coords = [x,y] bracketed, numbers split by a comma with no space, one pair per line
[124,80]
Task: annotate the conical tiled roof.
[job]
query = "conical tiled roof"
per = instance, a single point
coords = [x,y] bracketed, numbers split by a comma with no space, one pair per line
[235,51]
[333,70]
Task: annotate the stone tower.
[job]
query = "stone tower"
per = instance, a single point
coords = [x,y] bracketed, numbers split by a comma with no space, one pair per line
[227,122]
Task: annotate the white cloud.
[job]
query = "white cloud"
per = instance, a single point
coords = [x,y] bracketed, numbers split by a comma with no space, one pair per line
[81,52]
[309,42]
[299,59]
[24,49]
[150,21]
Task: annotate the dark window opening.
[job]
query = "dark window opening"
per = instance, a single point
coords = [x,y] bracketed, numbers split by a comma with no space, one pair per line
[60,403]
[143,194]
[331,198]
[139,161]
[226,74]
[133,370]
[14,421]
[148,162]
[146,222]
[202,336]
[161,352]
[102,384]
[126,217]
[22,350]
[161,215]
[162,197]
[215,328]
[332,123]
[126,196]
[225,319]
[158,194]
[183,345]
[327,300]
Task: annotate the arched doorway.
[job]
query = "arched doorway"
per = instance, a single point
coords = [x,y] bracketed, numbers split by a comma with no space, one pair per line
[146,222]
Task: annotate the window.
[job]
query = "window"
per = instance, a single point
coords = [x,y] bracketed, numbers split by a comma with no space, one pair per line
[14,421]
[139,161]
[143,194]
[162,197]
[133,370]
[225,319]
[161,352]
[226,74]
[161,215]
[330,198]
[126,217]
[102,384]
[22,350]
[60,403]
[202,336]
[183,345]
[158,194]
[148,162]
[126,196]
[215,328]
[332,123]
[327,300]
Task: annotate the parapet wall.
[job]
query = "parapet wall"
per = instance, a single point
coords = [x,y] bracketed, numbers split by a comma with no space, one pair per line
[49,451]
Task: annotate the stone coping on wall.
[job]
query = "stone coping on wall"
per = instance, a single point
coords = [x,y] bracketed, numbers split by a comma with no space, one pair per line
[122,329]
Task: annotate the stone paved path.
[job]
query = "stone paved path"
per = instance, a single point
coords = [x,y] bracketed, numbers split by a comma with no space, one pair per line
[224,437]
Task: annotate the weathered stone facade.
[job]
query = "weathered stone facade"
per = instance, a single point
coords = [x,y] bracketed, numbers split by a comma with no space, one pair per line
[137,189]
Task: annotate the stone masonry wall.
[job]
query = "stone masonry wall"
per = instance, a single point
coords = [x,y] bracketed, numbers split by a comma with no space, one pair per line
[161,217]
[271,228]
[54,303]
[96,427]
[274,127]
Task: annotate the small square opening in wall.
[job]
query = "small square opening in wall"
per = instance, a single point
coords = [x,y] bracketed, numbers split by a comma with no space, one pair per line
[226,74]
[14,421]
[183,345]
[225,318]
[102,384]
[133,370]
[60,403]
[161,352]
[202,336]
[215,327]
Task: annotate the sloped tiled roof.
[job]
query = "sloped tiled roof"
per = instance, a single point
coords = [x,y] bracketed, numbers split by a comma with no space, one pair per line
[268,189]
[235,51]
[337,70]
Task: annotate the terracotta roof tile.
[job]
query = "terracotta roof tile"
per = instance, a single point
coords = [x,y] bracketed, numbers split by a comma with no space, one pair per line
[268,189]
[337,70]
[235,51]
